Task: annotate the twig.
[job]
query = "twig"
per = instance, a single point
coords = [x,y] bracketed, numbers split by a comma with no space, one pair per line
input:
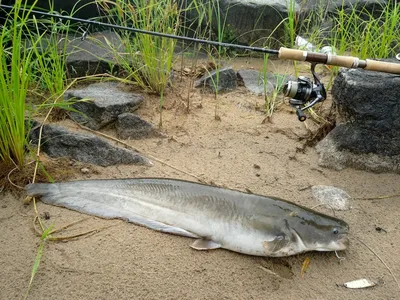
[269,271]
[329,206]
[381,260]
[34,226]
[141,152]
[37,215]
[68,225]
[63,238]
[378,197]
[9,180]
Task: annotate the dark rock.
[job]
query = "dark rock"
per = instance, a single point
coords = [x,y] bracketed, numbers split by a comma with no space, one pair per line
[96,54]
[84,9]
[57,141]
[131,126]
[106,102]
[249,22]
[369,138]
[227,80]
[253,80]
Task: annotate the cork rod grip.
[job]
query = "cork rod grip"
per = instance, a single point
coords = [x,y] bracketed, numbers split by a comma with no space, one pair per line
[339,60]
[382,66]
[343,61]
[292,54]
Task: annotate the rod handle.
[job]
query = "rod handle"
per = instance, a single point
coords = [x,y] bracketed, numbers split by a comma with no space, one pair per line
[382,66]
[339,60]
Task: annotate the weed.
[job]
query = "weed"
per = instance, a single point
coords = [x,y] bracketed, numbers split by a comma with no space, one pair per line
[39,254]
[15,78]
[147,59]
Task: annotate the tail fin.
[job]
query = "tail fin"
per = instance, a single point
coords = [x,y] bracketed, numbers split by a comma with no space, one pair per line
[38,189]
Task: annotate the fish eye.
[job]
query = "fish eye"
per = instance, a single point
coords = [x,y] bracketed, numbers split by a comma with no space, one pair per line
[335,231]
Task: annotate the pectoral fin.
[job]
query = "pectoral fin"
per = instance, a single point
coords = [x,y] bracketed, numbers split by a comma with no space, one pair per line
[203,244]
[275,245]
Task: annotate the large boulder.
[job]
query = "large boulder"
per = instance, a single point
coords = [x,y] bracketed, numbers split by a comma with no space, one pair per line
[57,141]
[101,103]
[98,53]
[249,22]
[369,137]
[227,80]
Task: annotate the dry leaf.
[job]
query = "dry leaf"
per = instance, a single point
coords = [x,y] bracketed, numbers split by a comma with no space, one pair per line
[304,268]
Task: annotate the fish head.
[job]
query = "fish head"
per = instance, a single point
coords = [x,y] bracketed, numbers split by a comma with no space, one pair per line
[313,231]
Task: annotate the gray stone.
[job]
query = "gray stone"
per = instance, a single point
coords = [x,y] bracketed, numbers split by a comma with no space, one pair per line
[105,102]
[227,80]
[250,22]
[369,138]
[253,80]
[131,126]
[57,141]
[332,155]
[96,54]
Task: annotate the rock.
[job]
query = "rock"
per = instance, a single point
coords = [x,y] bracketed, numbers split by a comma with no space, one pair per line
[57,141]
[253,81]
[80,8]
[96,54]
[85,171]
[249,22]
[331,196]
[131,126]
[107,101]
[227,80]
[369,137]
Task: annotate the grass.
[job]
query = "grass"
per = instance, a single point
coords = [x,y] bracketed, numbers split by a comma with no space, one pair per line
[354,31]
[39,254]
[365,35]
[147,59]
[15,78]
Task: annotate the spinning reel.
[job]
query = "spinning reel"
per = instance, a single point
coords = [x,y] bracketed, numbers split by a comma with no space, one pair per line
[304,93]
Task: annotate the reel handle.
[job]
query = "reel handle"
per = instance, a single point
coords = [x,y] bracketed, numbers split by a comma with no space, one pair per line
[339,60]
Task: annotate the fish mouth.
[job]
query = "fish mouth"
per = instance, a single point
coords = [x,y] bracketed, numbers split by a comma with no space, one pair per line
[340,244]
[344,242]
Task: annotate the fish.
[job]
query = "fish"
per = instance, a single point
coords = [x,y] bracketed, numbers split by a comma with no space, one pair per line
[215,217]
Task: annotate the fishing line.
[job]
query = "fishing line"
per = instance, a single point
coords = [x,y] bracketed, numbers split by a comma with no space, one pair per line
[380,259]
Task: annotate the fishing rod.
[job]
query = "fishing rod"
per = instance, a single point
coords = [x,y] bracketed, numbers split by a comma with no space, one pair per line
[304,93]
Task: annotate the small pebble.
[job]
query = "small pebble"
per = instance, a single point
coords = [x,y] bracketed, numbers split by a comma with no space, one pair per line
[85,171]
[256,166]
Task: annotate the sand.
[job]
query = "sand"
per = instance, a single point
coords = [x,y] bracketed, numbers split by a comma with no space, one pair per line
[125,261]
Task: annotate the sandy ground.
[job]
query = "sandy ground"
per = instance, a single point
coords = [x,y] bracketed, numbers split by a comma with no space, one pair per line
[125,261]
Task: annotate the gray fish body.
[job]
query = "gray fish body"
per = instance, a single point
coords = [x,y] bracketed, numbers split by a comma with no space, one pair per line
[216,217]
